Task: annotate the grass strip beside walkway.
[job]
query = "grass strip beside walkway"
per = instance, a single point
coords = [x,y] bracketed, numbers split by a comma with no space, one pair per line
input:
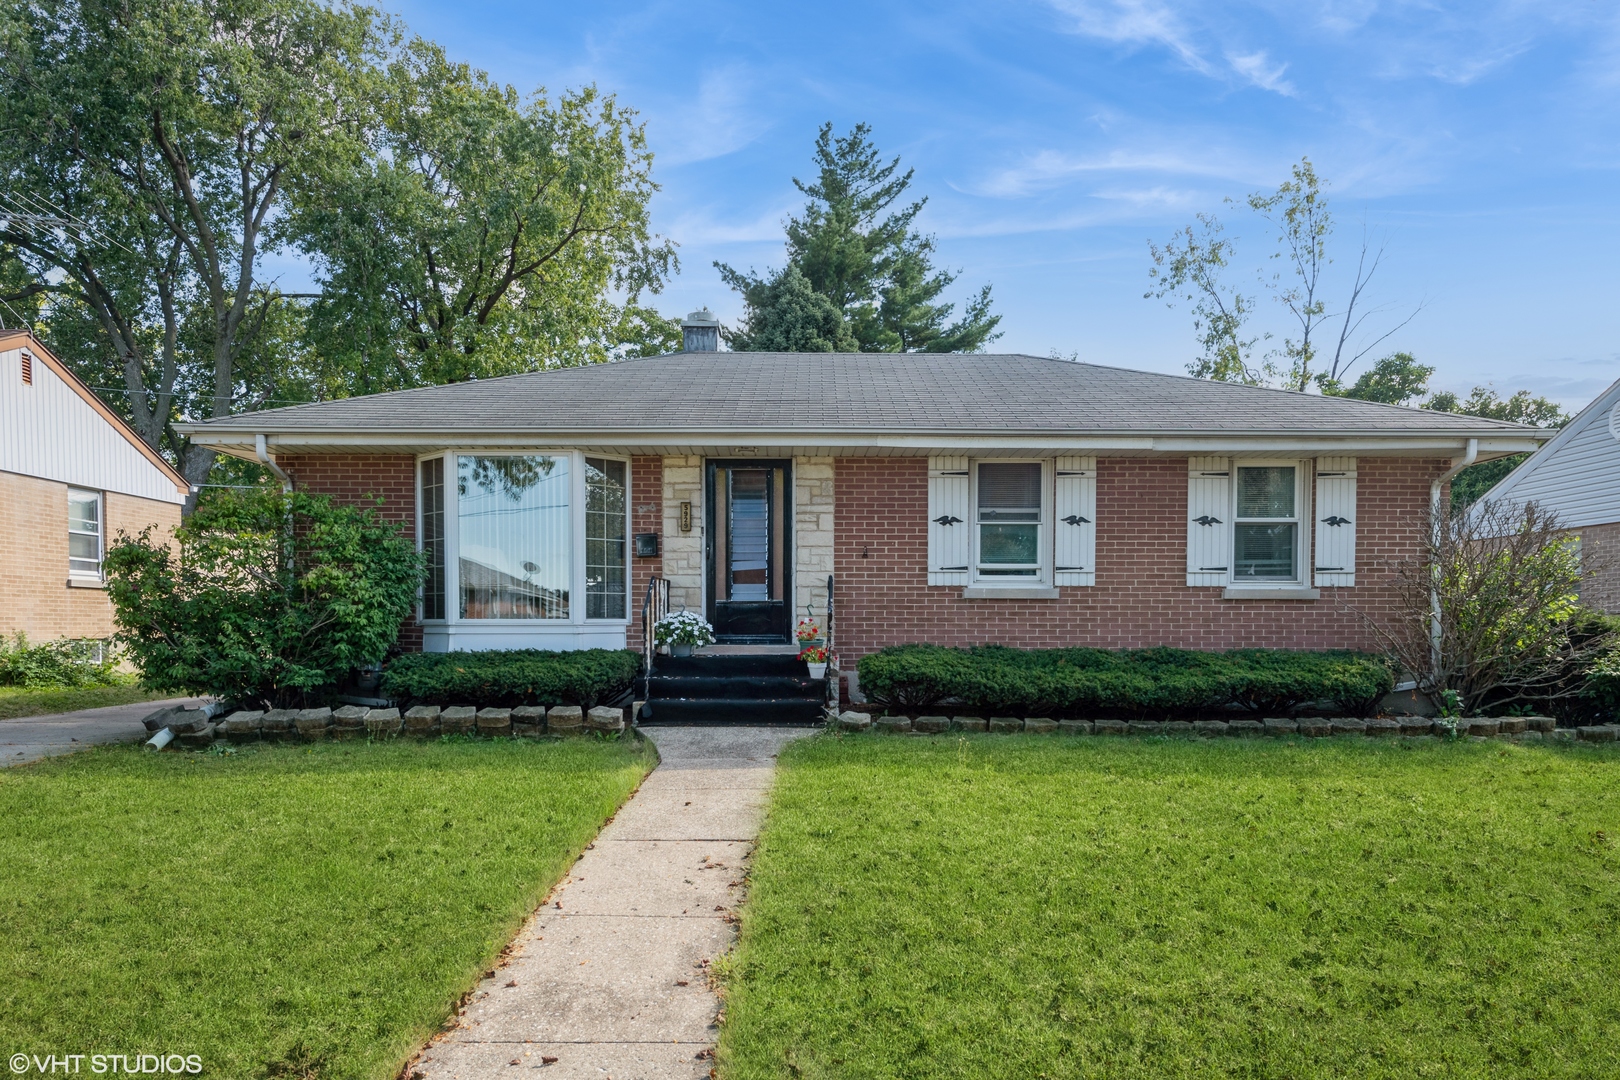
[18,701]
[282,910]
[1024,906]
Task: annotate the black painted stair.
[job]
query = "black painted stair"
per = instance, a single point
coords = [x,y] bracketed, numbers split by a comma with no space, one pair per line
[744,689]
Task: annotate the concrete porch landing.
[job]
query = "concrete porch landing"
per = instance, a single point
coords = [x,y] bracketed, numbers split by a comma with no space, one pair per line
[608,976]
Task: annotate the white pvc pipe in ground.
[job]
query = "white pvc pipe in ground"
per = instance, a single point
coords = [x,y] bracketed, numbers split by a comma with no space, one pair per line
[161,739]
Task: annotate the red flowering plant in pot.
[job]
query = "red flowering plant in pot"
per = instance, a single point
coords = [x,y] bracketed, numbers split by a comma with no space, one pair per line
[816,657]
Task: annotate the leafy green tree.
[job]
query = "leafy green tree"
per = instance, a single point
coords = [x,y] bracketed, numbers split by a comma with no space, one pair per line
[149,148]
[482,233]
[787,315]
[1395,380]
[854,247]
[265,599]
[1189,268]
[1519,408]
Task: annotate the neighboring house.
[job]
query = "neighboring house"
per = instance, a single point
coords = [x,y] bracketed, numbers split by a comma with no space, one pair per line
[1576,475]
[951,498]
[72,476]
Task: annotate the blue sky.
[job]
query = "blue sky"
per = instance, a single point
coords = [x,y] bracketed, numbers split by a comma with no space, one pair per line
[1055,138]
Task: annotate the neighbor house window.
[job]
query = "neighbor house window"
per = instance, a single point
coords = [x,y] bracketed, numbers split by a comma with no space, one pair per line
[514,541]
[606,501]
[84,533]
[1008,525]
[1265,530]
[433,538]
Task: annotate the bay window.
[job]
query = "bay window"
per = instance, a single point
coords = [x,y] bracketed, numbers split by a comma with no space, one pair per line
[514,539]
[607,497]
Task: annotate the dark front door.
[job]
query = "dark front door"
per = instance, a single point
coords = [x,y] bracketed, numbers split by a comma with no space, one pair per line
[748,546]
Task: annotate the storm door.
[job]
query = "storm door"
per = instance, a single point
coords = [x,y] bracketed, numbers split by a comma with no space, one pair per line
[748,544]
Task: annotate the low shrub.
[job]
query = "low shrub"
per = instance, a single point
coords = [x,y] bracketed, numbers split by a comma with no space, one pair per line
[56,665]
[264,599]
[510,677]
[1130,682]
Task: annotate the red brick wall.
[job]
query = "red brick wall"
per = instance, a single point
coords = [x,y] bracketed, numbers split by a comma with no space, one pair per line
[359,480]
[1141,597]
[1600,559]
[646,516]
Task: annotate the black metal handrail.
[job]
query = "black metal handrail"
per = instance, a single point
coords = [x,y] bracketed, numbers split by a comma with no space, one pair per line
[832,659]
[654,606]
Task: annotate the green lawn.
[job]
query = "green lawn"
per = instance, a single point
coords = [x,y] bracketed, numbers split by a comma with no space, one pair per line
[1028,906]
[282,911]
[16,701]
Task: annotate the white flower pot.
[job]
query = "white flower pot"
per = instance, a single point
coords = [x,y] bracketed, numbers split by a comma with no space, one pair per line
[817,671]
[680,650]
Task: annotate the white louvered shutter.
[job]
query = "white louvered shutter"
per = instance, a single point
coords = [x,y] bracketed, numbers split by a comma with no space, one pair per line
[1074,522]
[950,524]
[1209,524]
[1335,523]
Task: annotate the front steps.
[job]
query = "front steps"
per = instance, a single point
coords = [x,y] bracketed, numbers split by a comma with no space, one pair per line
[732,689]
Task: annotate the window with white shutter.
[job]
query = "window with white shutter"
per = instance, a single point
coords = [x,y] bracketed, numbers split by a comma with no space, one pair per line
[1209,525]
[1335,554]
[950,536]
[1074,525]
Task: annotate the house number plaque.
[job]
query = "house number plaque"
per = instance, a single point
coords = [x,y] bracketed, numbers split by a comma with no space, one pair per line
[686,517]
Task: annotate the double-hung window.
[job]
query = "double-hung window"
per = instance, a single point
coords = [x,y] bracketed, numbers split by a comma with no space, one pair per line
[84,533]
[1008,523]
[1265,529]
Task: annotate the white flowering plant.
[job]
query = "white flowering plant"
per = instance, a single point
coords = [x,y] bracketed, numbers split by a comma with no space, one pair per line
[683,628]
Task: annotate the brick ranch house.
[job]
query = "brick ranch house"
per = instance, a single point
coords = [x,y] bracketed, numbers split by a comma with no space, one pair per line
[72,474]
[953,499]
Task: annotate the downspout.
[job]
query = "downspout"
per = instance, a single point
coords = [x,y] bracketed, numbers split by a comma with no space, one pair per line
[262,444]
[1457,466]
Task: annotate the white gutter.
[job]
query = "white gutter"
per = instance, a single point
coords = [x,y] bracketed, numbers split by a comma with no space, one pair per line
[261,443]
[1457,466]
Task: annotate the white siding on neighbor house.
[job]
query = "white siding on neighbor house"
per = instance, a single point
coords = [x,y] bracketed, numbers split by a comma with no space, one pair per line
[47,430]
[1577,474]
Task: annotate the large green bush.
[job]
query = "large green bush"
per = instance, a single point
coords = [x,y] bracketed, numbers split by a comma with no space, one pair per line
[264,599]
[1132,682]
[63,664]
[509,677]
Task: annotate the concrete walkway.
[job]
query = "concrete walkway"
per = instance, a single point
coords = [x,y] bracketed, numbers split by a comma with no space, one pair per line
[29,738]
[608,978]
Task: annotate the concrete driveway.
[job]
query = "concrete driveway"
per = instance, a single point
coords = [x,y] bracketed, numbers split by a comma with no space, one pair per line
[30,738]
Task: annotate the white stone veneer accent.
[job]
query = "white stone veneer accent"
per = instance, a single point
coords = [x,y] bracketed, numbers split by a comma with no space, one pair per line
[812,535]
[683,552]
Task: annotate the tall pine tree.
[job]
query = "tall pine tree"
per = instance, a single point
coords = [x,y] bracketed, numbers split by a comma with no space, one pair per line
[853,247]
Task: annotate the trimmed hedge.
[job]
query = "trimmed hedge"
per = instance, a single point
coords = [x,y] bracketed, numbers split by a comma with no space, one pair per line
[993,679]
[510,677]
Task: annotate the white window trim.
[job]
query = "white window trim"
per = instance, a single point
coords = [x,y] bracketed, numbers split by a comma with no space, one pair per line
[998,587]
[1298,587]
[86,578]
[576,577]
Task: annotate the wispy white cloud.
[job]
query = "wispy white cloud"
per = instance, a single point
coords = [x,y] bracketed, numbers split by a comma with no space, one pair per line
[1046,169]
[1134,22]
[724,117]
[1260,71]
[1153,23]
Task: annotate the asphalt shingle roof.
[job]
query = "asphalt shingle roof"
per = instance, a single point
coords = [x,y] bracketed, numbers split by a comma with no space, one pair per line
[827,392]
